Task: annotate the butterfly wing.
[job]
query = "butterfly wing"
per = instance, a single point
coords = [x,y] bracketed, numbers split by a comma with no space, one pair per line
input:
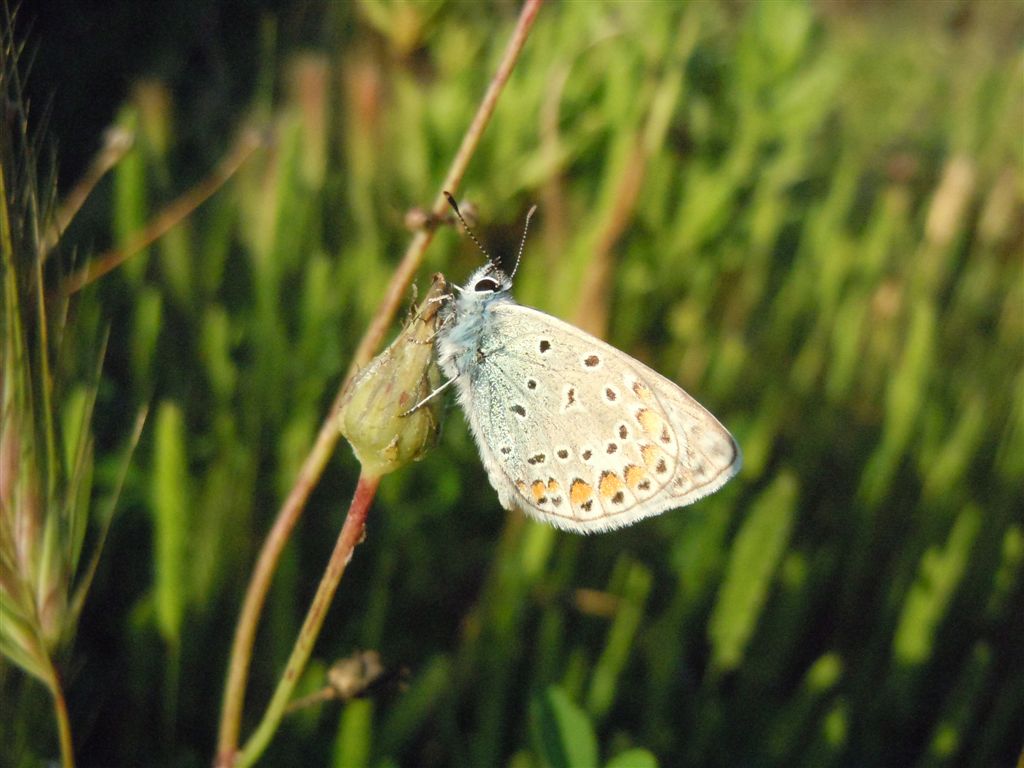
[579,434]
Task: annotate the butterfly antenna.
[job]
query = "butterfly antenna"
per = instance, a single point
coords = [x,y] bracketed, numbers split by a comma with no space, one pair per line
[522,243]
[455,207]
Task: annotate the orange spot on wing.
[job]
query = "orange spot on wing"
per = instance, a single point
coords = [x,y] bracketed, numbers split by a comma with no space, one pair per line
[538,489]
[652,423]
[642,391]
[609,485]
[650,454]
[634,475]
[580,491]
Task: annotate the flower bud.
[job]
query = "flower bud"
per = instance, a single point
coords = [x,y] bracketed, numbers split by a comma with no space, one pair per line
[376,411]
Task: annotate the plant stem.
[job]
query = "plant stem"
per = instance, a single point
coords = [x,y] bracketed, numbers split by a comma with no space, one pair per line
[352,533]
[259,584]
[245,632]
[60,713]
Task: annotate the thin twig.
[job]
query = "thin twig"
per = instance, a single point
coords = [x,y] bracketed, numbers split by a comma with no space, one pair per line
[117,142]
[245,632]
[600,267]
[649,139]
[174,213]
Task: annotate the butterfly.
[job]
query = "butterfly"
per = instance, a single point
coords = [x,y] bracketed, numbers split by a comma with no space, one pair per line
[571,430]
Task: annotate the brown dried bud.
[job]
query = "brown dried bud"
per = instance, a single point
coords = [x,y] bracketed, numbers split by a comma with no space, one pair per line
[352,676]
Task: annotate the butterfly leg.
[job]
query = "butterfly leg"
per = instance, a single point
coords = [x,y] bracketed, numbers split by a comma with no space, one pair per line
[430,397]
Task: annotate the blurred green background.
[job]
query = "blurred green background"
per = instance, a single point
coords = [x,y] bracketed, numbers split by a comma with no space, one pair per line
[807,214]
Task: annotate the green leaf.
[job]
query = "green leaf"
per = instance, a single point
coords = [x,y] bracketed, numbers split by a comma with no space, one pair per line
[355,731]
[755,556]
[170,507]
[562,734]
[621,634]
[939,575]
[633,758]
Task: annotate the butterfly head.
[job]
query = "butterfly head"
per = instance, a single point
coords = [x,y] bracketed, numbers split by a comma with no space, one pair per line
[488,281]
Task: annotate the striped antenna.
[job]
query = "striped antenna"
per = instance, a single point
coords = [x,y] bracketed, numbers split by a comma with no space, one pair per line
[455,207]
[522,243]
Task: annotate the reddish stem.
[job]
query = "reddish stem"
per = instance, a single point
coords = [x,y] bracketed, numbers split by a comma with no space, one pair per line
[352,533]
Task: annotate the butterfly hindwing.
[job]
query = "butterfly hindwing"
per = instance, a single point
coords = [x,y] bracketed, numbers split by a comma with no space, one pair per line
[581,435]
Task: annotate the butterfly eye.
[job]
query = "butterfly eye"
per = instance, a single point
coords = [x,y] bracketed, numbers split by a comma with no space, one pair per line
[486,285]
